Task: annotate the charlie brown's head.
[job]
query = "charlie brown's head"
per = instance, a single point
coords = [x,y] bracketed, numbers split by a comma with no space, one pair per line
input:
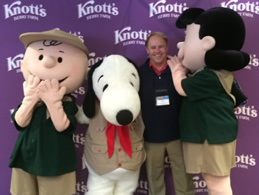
[55,54]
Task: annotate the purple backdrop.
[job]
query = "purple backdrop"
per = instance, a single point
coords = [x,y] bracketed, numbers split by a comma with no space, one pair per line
[116,26]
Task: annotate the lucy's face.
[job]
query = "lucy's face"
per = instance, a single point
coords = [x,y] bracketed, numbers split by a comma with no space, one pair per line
[191,51]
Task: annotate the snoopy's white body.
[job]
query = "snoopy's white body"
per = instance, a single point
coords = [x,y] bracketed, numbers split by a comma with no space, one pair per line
[116,85]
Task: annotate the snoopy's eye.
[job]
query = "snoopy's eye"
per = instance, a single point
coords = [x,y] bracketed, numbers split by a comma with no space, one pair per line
[134,75]
[60,60]
[105,87]
[40,57]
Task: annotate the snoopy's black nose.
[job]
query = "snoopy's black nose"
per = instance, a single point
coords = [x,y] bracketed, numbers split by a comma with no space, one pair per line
[124,117]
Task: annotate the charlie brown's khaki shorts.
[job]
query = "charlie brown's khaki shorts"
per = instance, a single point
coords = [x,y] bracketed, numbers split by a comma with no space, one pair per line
[23,183]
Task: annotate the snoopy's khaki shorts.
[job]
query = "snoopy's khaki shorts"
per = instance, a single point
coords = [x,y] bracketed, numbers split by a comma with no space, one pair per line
[23,183]
[214,159]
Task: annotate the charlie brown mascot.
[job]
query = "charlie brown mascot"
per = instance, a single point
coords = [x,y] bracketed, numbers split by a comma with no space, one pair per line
[43,161]
[202,74]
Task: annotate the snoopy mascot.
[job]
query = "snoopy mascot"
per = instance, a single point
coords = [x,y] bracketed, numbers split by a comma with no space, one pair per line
[113,151]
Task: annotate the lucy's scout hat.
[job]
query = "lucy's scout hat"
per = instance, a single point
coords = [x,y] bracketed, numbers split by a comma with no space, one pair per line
[55,34]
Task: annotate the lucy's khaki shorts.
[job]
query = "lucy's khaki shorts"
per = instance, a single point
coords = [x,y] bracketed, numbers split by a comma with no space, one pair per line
[214,159]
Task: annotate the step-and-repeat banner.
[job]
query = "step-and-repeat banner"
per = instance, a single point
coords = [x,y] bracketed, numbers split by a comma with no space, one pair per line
[121,27]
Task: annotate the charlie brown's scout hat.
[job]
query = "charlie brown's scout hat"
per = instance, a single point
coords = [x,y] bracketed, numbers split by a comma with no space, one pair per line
[55,34]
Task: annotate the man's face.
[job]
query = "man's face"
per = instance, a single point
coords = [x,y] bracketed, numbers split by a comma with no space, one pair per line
[63,62]
[157,50]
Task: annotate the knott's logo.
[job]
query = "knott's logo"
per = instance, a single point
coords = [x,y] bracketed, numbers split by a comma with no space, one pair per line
[81,186]
[142,187]
[163,10]
[129,37]
[245,161]
[247,9]
[94,59]
[253,63]
[78,34]
[14,62]
[19,11]
[199,184]
[246,112]
[92,10]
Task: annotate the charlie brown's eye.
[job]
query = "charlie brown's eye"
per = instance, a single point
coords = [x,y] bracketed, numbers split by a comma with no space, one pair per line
[60,60]
[40,57]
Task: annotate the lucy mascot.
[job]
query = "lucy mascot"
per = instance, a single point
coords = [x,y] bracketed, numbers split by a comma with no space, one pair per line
[43,160]
[202,74]
[113,150]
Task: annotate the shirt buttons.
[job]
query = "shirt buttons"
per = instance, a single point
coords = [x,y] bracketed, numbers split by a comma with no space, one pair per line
[119,149]
[119,164]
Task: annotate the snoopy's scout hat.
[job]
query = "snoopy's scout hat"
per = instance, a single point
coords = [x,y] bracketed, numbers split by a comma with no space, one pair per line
[55,34]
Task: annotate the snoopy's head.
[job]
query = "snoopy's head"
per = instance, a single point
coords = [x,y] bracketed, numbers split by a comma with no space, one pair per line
[114,81]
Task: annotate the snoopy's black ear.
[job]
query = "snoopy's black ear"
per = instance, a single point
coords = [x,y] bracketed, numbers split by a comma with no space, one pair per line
[89,103]
[131,61]
[134,64]
[90,97]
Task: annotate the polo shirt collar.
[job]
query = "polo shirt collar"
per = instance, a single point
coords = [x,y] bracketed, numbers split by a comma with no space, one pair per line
[156,70]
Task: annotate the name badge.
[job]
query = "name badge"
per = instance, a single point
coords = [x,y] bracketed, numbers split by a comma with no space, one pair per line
[162,100]
[162,97]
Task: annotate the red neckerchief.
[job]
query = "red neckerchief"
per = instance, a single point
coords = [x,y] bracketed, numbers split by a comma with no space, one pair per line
[156,70]
[123,134]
